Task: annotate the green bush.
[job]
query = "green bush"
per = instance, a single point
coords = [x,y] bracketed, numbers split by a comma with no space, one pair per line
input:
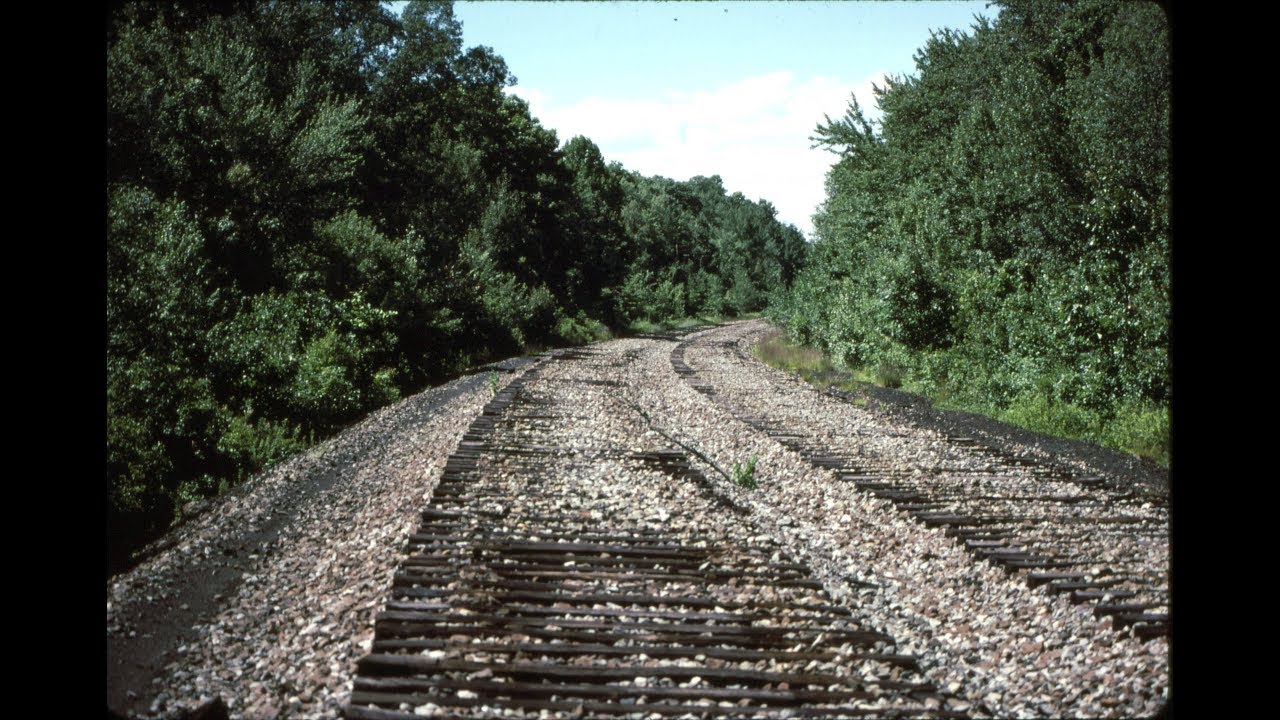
[323,387]
[1001,238]
[635,297]
[706,293]
[744,295]
[1140,428]
[193,489]
[580,329]
[668,300]
[642,298]
[255,442]
[138,466]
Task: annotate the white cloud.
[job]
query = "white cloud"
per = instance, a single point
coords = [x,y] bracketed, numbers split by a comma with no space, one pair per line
[753,133]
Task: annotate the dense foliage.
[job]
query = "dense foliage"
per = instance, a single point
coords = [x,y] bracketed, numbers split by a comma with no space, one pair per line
[1003,236]
[315,208]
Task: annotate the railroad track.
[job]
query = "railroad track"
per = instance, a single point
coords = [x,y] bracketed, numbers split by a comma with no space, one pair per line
[1076,535]
[568,570]
[588,552]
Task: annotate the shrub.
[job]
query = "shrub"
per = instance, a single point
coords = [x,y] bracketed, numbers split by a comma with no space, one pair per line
[668,300]
[253,443]
[1041,413]
[706,293]
[635,297]
[580,329]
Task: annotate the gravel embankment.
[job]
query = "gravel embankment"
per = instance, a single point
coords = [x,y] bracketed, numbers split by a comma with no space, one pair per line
[281,581]
[267,599]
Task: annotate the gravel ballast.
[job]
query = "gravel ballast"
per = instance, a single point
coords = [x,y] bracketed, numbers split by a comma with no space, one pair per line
[268,597]
[1012,651]
[578,473]
[267,600]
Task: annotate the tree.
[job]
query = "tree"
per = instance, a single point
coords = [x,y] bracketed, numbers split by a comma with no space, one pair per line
[1012,206]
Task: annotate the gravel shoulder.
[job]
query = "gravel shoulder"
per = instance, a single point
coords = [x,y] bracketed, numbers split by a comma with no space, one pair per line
[288,566]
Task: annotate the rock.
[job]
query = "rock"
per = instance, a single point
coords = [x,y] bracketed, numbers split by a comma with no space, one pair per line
[214,709]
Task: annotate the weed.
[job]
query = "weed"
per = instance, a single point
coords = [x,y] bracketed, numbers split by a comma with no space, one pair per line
[889,375]
[777,352]
[744,476]
[813,366]
[581,330]
[493,382]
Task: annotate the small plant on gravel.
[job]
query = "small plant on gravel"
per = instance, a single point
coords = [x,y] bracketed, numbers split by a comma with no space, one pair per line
[744,476]
[493,382]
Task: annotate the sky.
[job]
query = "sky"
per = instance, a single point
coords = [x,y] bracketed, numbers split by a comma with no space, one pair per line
[733,89]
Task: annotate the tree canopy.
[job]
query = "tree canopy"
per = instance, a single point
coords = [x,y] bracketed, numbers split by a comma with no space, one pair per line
[1003,234]
[315,208]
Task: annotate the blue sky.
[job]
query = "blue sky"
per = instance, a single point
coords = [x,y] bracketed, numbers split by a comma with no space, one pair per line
[709,88]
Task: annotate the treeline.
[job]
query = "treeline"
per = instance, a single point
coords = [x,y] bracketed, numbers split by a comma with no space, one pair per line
[1002,238]
[316,208]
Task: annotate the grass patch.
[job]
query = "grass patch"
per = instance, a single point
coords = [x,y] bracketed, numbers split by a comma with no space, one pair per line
[648,327]
[692,322]
[813,366]
[1140,429]
[776,351]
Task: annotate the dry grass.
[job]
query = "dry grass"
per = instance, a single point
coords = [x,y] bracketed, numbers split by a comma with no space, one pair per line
[776,351]
[812,365]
